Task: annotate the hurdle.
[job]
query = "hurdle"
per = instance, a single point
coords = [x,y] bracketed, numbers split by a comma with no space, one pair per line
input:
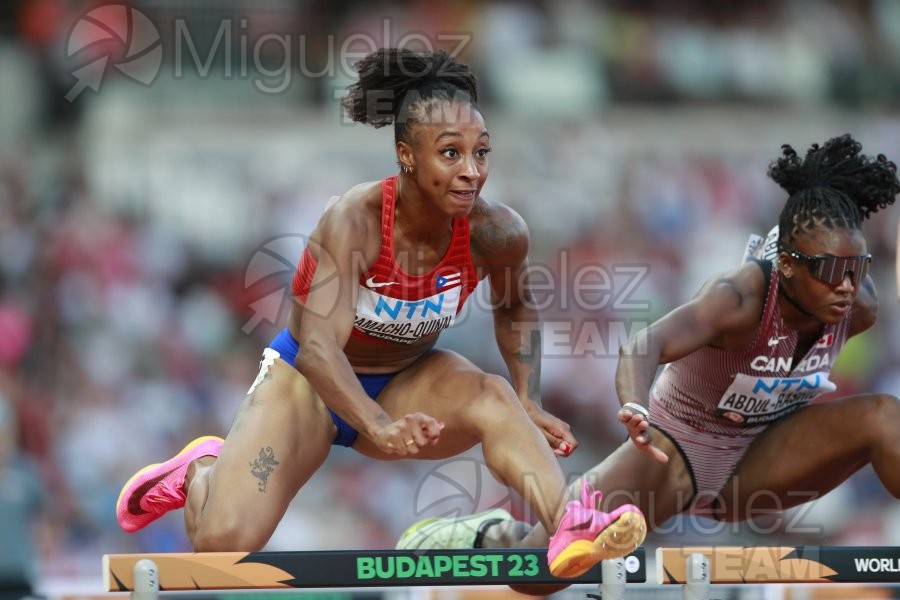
[146,575]
[696,569]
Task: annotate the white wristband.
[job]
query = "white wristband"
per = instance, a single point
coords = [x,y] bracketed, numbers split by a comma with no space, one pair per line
[636,408]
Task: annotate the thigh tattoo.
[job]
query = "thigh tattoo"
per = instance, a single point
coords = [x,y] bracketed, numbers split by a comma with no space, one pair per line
[263,466]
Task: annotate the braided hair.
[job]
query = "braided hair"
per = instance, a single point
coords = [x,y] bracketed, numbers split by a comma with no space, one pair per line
[833,186]
[400,86]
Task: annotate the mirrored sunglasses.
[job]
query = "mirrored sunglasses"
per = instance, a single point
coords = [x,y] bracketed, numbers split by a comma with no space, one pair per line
[833,269]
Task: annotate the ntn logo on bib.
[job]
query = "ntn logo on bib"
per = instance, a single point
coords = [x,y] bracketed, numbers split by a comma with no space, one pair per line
[405,321]
[753,400]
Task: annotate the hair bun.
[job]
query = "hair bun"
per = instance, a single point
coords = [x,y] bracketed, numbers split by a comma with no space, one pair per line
[388,75]
[838,164]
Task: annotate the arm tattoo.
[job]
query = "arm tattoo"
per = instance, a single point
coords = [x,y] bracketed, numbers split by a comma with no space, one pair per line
[491,238]
[534,384]
[263,466]
[530,354]
[481,209]
[382,419]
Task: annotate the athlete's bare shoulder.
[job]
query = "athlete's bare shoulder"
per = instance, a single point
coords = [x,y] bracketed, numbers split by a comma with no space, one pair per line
[751,282]
[355,216]
[746,281]
[361,202]
[497,232]
[734,300]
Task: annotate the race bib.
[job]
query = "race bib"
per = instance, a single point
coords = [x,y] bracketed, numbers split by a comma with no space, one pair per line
[405,321]
[762,248]
[752,400]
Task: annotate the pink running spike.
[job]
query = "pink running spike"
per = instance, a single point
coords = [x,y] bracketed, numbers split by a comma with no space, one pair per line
[586,535]
[156,489]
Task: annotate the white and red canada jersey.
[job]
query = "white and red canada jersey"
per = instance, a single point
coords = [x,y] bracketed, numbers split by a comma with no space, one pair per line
[740,393]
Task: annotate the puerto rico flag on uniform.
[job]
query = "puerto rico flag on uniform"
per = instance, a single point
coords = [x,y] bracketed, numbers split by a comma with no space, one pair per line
[449,280]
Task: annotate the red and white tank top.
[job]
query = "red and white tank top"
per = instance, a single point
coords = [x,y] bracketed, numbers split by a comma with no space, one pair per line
[740,393]
[393,305]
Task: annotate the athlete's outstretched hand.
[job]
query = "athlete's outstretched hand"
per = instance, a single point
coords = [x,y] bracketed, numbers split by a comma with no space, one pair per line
[639,432]
[407,434]
[557,431]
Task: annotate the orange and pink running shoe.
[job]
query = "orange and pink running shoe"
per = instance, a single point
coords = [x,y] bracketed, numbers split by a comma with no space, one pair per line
[156,489]
[586,535]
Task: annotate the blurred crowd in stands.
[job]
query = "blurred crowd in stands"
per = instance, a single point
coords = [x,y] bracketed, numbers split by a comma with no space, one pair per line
[633,136]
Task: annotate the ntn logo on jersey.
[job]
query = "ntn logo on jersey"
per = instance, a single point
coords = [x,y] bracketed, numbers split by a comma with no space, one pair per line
[787,384]
[378,307]
[420,308]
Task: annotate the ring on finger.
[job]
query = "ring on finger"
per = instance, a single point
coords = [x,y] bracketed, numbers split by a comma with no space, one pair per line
[410,442]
